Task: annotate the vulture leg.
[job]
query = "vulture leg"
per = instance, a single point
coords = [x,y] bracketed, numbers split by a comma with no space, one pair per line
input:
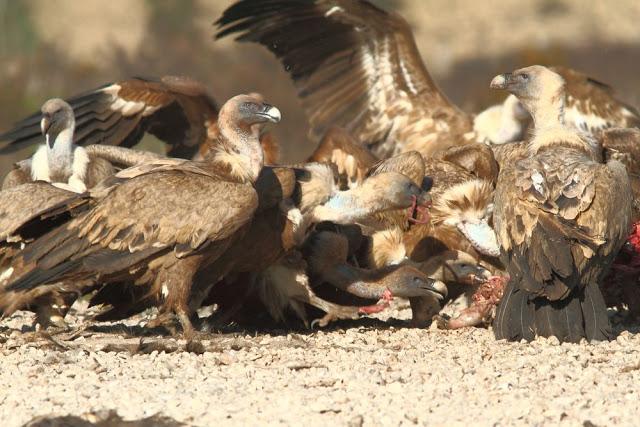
[334,311]
[174,284]
[52,308]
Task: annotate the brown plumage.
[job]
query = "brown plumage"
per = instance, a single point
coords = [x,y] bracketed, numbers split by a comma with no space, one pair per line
[352,160]
[590,106]
[176,109]
[59,160]
[558,221]
[27,212]
[461,211]
[160,224]
[366,76]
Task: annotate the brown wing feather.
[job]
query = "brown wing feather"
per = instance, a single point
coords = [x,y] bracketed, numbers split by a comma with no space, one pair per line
[558,221]
[477,158]
[151,210]
[410,164]
[18,175]
[22,204]
[592,105]
[355,66]
[351,159]
[177,110]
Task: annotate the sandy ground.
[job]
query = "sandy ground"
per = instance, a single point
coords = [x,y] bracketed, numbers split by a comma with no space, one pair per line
[366,372]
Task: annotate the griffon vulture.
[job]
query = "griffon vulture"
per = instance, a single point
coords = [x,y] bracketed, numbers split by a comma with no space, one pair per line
[160,223]
[59,161]
[177,110]
[558,222]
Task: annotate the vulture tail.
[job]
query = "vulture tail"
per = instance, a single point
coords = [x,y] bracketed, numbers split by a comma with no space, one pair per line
[515,316]
[582,314]
[596,320]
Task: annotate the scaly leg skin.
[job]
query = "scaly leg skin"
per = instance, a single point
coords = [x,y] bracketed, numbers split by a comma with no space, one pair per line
[51,310]
[334,311]
[484,299]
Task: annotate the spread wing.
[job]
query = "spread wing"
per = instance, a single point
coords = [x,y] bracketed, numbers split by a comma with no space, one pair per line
[351,159]
[559,223]
[355,66]
[176,110]
[592,105]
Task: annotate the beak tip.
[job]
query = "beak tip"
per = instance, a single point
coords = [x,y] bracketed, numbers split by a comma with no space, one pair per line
[498,82]
[275,114]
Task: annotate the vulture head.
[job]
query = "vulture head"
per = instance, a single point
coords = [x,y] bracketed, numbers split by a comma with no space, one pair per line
[406,281]
[455,267]
[240,122]
[249,110]
[57,119]
[394,190]
[468,206]
[531,85]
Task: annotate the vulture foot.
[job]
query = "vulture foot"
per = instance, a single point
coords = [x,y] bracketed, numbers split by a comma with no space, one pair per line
[167,320]
[337,312]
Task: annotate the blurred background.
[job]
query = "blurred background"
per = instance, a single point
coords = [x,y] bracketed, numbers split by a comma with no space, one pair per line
[63,47]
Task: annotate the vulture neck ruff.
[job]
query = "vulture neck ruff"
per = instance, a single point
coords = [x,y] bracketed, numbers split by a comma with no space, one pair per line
[239,148]
[547,111]
[62,163]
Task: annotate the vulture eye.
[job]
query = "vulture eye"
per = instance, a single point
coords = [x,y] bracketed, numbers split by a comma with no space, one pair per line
[524,76]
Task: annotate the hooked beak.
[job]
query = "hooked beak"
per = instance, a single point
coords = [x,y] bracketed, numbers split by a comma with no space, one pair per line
[421,286]
[501,81]
[45,124]
[270,113]
[438,289]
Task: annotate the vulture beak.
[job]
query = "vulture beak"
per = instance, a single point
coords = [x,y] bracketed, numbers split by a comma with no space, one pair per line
[420,287]
[432,287]
[501,81]
[270,113]
[45,124]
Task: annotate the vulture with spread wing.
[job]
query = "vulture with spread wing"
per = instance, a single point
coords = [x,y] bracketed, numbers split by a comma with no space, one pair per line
[561,216]
[355,66]
[177,110]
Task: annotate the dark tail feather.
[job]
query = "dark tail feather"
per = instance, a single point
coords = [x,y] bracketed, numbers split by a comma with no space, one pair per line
[596,321]
[515,315]
[582,314]
[562,319]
